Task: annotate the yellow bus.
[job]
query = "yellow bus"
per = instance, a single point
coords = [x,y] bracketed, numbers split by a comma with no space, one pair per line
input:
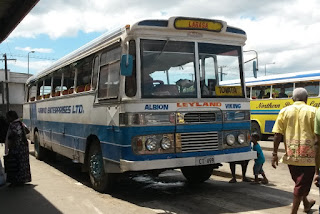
[269,94]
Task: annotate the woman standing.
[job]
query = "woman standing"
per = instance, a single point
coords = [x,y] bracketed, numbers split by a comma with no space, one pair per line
[3,133]
[18,149]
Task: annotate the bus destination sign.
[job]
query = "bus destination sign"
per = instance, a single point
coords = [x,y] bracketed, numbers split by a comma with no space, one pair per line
[228,90]
[198,24]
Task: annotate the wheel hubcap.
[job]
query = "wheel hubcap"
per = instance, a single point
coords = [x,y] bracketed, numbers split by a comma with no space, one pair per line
[96,166]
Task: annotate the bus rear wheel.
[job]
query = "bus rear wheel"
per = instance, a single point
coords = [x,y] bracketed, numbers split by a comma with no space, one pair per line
[100,180]
[197,174]
[39,151]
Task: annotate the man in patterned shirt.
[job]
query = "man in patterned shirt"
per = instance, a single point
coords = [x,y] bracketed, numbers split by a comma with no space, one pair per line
[295,125]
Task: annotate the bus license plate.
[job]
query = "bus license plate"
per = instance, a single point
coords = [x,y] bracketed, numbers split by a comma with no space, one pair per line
[204,160]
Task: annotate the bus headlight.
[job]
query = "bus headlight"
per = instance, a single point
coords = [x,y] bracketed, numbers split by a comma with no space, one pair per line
[165,143]
[230,139]
[151,144]
[241,138]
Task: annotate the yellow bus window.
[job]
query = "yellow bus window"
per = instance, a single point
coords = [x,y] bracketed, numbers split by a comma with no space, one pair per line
[260,92]
[282,90]
[311,87]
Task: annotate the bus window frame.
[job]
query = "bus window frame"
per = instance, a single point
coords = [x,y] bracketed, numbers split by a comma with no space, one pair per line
[96,59]
[132,50]
[108,49]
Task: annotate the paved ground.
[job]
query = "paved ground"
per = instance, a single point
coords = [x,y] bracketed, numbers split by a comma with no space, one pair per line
[60,187]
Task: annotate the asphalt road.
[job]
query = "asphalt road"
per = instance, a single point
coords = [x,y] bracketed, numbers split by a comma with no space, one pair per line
[60,187]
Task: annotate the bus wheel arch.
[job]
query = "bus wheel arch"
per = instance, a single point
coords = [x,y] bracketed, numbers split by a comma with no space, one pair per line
[90,139]
[101,181]
[255,127]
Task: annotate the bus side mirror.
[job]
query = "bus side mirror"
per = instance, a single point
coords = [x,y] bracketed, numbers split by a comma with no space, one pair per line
[126,65]
[255,69]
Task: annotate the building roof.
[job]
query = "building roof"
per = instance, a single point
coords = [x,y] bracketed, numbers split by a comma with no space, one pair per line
[11,14]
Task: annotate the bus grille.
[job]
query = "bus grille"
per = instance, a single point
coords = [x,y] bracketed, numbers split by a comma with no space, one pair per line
[199,117]
[199,141]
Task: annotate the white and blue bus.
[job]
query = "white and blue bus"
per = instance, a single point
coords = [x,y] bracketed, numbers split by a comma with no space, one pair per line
[151,96]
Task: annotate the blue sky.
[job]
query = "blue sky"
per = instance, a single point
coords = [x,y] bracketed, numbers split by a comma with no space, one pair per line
[46,50]
[284,32]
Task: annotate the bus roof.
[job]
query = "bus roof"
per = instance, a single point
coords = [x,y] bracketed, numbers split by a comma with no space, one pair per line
[85,50]
[284,78]
[185,25]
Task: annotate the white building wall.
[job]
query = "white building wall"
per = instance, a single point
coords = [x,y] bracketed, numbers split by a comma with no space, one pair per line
[16,90]
[16,93]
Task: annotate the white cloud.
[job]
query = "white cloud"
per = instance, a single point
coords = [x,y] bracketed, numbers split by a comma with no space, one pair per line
[37,50]
[33,65]
[285,32]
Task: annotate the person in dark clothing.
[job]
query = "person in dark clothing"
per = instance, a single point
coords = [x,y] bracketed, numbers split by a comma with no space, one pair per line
[244,165]
[3,129]
[282,93]
[18,149]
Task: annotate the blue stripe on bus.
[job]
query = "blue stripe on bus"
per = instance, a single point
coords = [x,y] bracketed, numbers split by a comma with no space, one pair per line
[272,112]
[285,78]
[116,141]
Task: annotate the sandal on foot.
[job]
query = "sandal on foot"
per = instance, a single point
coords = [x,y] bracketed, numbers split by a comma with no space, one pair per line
[233,180]
[311,203]
[246,179]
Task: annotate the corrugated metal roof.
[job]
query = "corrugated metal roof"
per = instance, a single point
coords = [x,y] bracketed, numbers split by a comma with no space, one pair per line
[11,14]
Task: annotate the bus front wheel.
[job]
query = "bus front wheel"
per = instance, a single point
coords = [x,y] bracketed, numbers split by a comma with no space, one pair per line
[100,180]
[38,149]
[256,128]
[197,174]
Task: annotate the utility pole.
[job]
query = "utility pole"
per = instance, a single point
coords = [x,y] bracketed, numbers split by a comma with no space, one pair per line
[6,80]
[2,95]
[221,71]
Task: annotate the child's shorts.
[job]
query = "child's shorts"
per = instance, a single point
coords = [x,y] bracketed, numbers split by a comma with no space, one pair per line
[257,168]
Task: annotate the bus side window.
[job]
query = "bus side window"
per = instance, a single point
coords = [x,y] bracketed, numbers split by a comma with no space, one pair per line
[260,92]
[56,87]
[110,73]
[311,87]
[248,93]
[40,89]
[283,90]
[47,87]
[32,92]
[84,67]
[68,81]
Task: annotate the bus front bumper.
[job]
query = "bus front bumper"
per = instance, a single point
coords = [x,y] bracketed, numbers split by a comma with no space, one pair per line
[126,165]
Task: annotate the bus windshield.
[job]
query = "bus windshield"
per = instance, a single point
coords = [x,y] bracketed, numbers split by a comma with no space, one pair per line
[168,69]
